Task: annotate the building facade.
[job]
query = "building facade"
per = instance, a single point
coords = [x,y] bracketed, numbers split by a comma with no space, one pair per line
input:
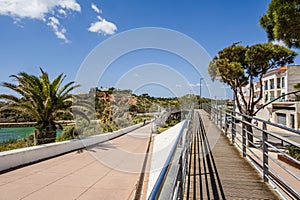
[284,110]
[278,82]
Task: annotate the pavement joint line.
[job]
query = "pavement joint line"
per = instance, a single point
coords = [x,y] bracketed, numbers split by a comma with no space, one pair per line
[27,195]
[87,189]
[31,173]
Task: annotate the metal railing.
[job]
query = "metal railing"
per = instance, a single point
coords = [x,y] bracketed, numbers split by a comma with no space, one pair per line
[171,180]
[258,142]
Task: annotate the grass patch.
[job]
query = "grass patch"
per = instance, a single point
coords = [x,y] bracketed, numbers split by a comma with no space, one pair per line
[162,129]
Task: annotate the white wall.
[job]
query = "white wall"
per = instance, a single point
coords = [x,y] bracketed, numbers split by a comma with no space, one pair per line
[162,145]
[263,114]
[23,156]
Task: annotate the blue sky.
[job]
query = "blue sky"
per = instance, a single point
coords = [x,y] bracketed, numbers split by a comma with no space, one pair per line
[58,35]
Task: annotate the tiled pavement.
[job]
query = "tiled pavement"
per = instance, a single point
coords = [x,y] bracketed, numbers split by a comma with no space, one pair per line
[109,170]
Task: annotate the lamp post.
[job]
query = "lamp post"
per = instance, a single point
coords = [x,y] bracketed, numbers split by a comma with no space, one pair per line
[200,90]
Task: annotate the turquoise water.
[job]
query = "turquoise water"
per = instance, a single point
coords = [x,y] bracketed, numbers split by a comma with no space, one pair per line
[18,133]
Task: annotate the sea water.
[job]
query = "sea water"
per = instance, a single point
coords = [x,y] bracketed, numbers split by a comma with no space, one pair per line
[18,133]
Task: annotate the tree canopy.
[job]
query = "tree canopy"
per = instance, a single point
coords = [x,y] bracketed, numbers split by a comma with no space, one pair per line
[238,66]
[42,99]
[282,21]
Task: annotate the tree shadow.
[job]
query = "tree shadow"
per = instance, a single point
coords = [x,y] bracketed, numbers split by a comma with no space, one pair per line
[101,146]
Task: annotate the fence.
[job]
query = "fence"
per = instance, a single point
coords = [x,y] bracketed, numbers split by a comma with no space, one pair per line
[254,138]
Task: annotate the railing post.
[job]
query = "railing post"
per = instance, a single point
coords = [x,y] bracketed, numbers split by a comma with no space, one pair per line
[244,139]
[233,127]
[216,116]
[180,177]
[265,153]
[221,124]
[226,123]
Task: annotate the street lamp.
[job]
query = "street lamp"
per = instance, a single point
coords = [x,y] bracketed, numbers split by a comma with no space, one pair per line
[200,90]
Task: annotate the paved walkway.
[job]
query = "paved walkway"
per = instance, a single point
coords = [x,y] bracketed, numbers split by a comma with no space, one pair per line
[217,170]
[109,170]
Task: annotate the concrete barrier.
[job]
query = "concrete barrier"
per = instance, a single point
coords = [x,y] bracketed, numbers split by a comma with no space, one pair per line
[19,157]
[162,145]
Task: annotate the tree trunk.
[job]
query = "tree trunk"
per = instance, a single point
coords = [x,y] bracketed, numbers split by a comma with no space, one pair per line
[46,133]
[249,132]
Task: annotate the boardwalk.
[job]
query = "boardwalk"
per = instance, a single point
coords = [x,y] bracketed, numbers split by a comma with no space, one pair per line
[217,170]
[108,170]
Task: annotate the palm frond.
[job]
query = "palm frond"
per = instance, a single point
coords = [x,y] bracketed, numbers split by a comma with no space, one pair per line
[66,89]
[55,85]
[10,98]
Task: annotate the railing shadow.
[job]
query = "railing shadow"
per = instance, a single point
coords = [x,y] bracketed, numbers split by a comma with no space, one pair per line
[203,180]
[215,181]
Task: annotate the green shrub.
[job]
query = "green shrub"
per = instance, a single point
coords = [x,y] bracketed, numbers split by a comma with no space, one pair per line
[294,152]
[171,122]
[140,118]
[13,144]
[30,139]
[69,133]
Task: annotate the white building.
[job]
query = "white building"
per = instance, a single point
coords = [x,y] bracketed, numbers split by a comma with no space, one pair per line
[277,82]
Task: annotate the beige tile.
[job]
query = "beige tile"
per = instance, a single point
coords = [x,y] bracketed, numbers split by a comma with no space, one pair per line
[75,180]
[105,194]
[56,192]
[70,167]
[15,175]
[13,191]
[117,180]
[41,178]
[94,169]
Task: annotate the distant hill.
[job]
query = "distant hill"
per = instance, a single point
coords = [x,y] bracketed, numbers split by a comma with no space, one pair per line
[113,106]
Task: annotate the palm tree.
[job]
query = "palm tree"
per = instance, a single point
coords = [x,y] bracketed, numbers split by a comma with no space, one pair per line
[41,99]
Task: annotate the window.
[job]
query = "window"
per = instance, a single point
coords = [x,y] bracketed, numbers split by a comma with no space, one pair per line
[282,82]
[272,84]
[266,85]
[278,82]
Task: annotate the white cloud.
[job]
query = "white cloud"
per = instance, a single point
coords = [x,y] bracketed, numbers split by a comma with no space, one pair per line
[62,12]
[35,9]
[58,29]
[103,26]
[96,9]
[40,10]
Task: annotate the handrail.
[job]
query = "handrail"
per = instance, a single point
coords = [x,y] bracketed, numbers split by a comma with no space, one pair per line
[261,120]
[269,123]
[261,158]
[159,183]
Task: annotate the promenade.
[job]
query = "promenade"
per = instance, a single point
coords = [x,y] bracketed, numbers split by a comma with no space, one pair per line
[108,170]
[217,170]
[112,169]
